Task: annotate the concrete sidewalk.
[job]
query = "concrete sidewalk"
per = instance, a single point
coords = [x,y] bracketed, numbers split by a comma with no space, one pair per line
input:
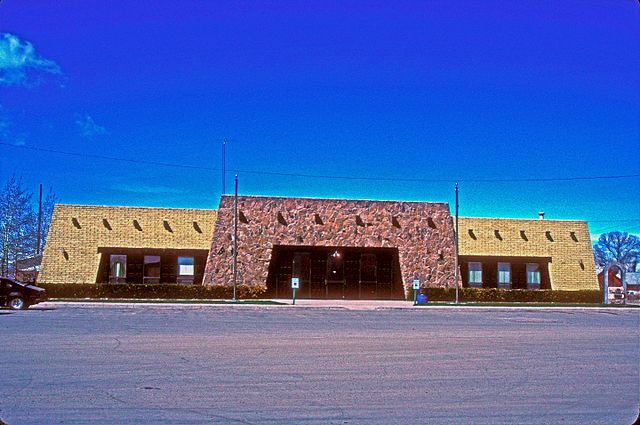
[348,304]
[354,305]
[225,304]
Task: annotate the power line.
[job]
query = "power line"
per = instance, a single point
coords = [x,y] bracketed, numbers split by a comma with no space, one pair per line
[111,158]
[609,228]
[416,180]
[615,221]
[321,176]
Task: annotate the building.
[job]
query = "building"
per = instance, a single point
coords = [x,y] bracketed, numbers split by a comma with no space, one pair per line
[337,248]
[526,254]
[614,281]
[98,244]
[615,285]
[633,281]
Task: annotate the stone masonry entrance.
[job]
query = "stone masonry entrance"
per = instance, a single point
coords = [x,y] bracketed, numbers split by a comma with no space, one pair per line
[335,272]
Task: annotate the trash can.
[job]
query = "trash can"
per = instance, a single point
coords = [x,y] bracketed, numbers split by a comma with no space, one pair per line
[422,298]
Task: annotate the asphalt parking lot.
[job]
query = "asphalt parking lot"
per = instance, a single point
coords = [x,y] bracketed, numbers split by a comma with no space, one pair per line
[165,364]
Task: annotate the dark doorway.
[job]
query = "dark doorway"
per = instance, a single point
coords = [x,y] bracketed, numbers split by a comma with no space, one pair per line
[335,272]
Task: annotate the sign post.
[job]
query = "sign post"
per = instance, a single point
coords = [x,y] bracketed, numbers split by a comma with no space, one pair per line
[416,286]
[295,284]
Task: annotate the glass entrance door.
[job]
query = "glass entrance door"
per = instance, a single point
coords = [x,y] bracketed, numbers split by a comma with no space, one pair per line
[335,281]
[302,270]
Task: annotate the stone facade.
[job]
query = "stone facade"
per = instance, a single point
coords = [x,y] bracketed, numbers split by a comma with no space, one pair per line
[422,232]
[566,242]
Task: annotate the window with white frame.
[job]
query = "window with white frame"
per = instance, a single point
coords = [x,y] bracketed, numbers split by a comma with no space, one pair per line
[533,274]
[117,268]
[186,269]
[504,274]
[185,266]
[475,273]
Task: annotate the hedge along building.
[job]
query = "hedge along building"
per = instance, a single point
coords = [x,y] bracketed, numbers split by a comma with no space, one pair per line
[336,248]
[526,254]
[99,244]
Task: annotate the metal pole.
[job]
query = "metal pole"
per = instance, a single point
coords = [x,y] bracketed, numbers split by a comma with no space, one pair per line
[605,284]
[457,261]
[624,285]
[224,166]
[235,240]
[39,222]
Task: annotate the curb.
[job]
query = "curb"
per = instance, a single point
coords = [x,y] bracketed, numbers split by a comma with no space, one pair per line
[355,306]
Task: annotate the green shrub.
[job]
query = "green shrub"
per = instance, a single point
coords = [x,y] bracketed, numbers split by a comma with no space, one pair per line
[513,295]
[198,292]
[137,291]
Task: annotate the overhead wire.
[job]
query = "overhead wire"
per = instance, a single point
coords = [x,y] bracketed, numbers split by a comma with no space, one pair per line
[323,176]
[604,227]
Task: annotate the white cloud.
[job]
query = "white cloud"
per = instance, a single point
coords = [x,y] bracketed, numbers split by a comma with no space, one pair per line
[19,60]
[88,128]
[20,140]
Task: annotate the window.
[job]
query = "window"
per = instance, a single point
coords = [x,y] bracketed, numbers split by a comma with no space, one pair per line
[533,275]
[117,268]
[185,270]
[475,274]
[368,268]
[151,269]
[504,274]
[335,267]
[302,268]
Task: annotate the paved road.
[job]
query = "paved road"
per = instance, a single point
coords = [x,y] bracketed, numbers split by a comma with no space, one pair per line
[162,364]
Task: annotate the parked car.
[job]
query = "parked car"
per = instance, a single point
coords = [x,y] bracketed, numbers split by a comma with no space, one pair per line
[19,296]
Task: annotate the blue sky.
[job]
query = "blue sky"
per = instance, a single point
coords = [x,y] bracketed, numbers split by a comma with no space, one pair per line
[432,90]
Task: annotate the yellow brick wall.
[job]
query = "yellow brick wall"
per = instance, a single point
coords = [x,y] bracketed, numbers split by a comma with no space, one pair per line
[572,265]
[81,245]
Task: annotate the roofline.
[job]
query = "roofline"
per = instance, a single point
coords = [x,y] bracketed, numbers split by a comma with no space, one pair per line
[136,207]
[336,199]
[536,220]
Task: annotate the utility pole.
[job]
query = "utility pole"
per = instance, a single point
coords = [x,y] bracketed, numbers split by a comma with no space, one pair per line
[235,240]
[224,165]
[457,261]
[39,222]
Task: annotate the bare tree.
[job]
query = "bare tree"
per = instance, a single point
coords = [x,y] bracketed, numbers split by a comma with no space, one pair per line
[617,247]
[17,224]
